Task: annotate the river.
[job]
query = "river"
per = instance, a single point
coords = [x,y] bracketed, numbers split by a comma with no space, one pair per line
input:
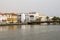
[30,32]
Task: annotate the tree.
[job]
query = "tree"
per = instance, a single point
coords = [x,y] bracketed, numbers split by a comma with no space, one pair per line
[59,20]
[54,19]
[47,20]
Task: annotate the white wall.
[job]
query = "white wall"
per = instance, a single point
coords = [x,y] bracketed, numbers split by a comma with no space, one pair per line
[23,17]
[3,17]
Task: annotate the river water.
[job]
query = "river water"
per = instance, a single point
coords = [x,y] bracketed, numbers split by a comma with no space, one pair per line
[30,32]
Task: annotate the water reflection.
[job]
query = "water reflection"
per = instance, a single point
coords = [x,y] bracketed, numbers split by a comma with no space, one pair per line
[17,27]
[30,32]
[24,28]
[7,28]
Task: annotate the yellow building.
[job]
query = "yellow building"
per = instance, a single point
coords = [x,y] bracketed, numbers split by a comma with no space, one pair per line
[11,18]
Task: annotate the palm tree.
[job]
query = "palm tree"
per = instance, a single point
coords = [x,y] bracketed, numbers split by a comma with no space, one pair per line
[47,20]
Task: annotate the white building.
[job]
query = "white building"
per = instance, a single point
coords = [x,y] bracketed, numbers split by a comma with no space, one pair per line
[43,17]
[27,17]
[50,18]
[2,17]
[32,16]
[22,17]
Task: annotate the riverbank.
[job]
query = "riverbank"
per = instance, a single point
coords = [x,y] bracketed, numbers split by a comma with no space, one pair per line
[27,24]
[12,24]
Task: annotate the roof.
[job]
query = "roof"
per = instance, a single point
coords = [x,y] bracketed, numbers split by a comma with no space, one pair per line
[8,14]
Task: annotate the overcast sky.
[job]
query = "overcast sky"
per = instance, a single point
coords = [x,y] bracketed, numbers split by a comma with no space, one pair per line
[47,7]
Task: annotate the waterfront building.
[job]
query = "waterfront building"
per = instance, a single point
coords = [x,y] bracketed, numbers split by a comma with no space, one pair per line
[26,18]
[22,17]
[3,18]
[19,17]
[8,18]
[50,18]
[43,17]
[32,16]
[11,17]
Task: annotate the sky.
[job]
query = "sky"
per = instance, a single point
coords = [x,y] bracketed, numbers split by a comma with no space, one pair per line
[47,7]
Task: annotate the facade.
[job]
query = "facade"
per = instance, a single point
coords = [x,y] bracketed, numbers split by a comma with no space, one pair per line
[11,17]
[19,17]
[3,18]
[22,17]
[32,16]
[8,18]
[50,18]
[26,17]
[43,17]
